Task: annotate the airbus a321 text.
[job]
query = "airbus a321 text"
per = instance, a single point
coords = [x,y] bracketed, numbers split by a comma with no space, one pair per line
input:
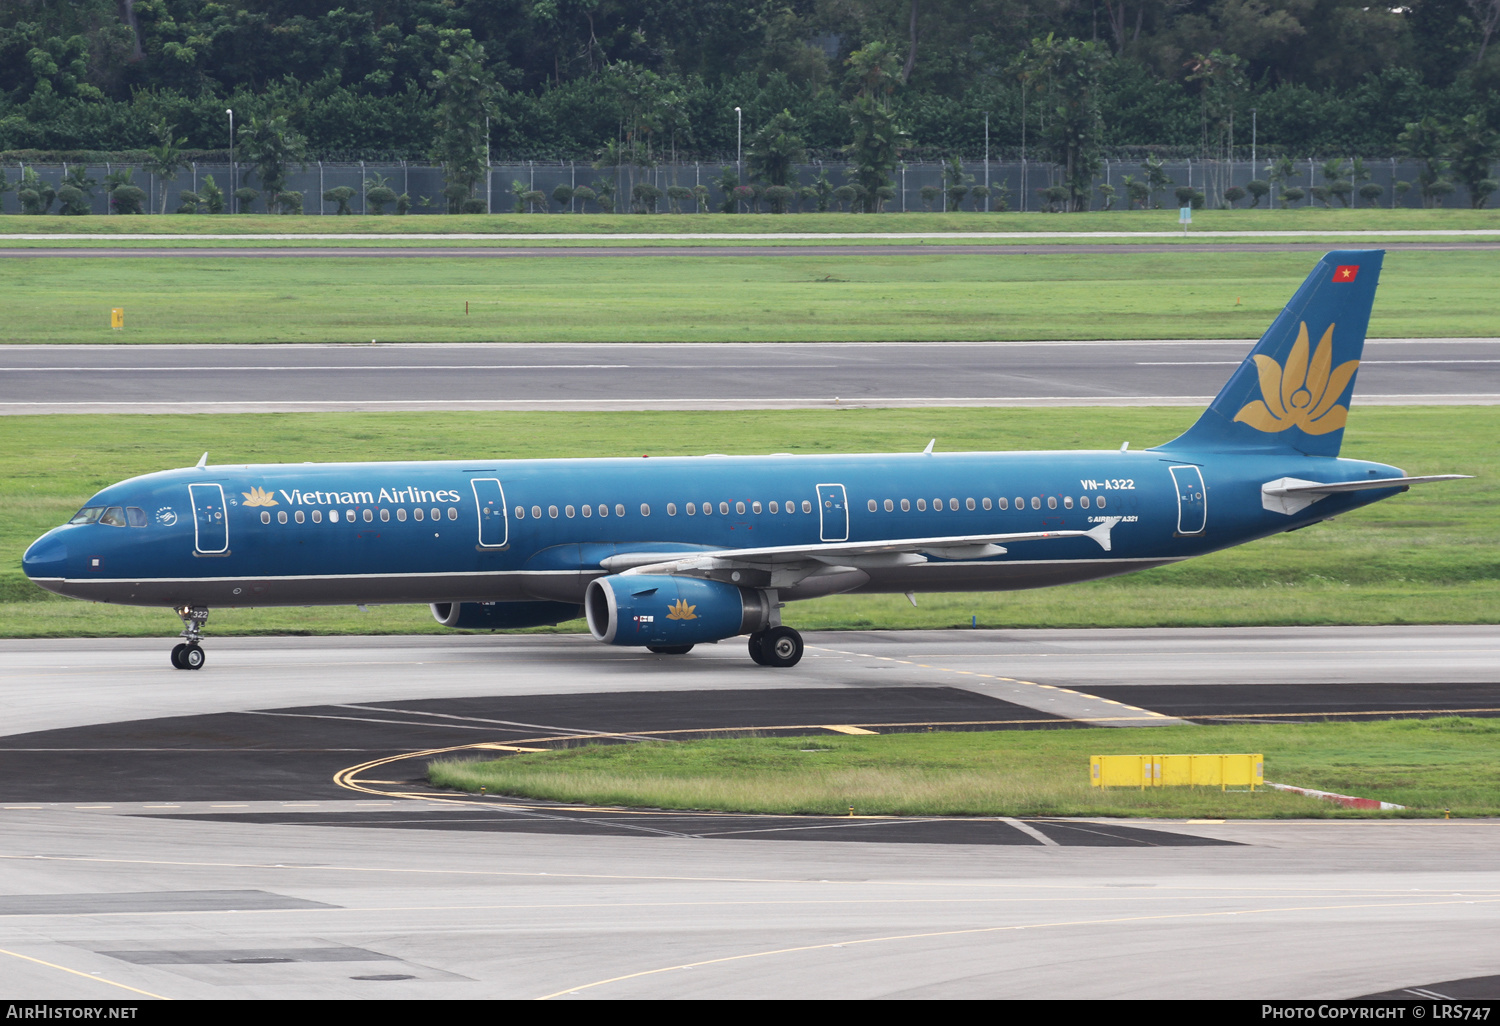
[670,553]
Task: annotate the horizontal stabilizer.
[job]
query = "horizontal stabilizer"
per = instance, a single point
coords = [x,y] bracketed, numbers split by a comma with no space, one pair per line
[1291,495]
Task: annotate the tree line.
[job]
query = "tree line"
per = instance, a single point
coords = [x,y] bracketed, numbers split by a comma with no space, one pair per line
[866,82]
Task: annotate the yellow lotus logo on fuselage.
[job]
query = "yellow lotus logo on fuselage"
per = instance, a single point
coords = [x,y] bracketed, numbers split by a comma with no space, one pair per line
[680,610]
[259,497]
[1302,393]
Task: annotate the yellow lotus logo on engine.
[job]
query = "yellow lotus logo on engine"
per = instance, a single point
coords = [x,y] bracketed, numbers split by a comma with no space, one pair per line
[680,610]
[1301,394]
[259,497]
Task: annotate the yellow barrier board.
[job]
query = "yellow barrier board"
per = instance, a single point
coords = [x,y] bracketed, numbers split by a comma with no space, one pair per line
[117,317]
[1221,771]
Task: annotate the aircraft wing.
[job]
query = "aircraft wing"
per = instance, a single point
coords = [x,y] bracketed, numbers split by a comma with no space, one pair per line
[1292,494]
[878,553]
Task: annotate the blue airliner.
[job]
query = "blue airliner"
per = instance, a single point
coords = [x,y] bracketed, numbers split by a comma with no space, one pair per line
[671,553]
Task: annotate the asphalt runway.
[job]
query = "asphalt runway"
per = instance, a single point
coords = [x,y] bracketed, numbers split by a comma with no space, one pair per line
[261,828]
[628,376]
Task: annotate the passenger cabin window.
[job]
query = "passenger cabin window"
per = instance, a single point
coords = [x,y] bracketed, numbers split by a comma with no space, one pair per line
[987,502]
[953,504]
[922,505]
[385,516]
[587,511]
[1100,502]
[568,511]
[806,506]
[708,509]
[551,512]
[265,517]
[369,516]
[333,516]
[452,512]
[1004,502]
[724,509]
[536,513]
[349,515]
[739,507]
[1067,502]
[317,516]
[281,516]
[520,513]
[1084,502]
[969,503]
[1051,502]
[603,510]
[671,509]
[619,509]
[692,509]
[87,515]
[645,510]
[301,517]
[775,507]
[755,507]
[871,505]
[113,517]
[889,505]
[906,505]
[1036,503]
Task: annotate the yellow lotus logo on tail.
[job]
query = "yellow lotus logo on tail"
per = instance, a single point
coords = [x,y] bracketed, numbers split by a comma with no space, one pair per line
[680,610]
[1301,394]
[259,497]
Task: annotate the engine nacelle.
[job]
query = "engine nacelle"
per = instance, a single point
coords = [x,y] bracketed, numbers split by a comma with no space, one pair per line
[503,616]
[650,609]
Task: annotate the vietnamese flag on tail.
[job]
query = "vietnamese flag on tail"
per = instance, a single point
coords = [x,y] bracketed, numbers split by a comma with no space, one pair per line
[1345,272]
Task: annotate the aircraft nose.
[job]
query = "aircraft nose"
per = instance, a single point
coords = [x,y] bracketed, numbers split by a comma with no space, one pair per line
[47,557]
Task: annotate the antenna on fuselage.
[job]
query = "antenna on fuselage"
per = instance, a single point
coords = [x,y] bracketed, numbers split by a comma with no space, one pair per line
[1125,447]
[202,461]
[928,451]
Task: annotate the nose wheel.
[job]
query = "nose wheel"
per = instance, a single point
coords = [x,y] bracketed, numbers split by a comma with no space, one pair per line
[776,646]
[189,654]
[188,657]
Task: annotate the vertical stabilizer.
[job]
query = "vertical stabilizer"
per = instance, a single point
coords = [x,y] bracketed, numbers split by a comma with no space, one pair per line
[1292,393]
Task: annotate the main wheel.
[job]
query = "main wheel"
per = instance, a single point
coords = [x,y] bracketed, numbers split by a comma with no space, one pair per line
[757,648]
[192,657]
[177,651]
[669,649]
[782,646]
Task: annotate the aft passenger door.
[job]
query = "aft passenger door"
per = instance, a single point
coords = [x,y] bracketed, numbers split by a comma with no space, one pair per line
[833,510]
[1192,501]
[494,524]
[210,526]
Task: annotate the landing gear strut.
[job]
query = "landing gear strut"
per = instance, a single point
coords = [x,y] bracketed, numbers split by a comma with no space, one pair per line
[776,646]
[189,655]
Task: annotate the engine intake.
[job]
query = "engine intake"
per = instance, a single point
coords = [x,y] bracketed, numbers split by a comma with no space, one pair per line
[661,610]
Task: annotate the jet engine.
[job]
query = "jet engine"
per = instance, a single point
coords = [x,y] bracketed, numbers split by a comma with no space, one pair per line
[661,611]
[502,616]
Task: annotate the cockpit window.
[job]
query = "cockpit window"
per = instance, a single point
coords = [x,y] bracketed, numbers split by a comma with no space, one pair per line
[136,516]
[87,515]
[113,517]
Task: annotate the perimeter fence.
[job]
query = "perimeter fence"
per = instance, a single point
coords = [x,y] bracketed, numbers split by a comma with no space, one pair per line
[1011,185]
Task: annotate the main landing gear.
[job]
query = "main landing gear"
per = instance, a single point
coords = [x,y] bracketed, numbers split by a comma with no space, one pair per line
[776,646]
[189,655]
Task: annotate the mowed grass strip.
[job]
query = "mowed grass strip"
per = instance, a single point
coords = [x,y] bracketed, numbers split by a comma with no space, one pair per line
[1260,219]
[900,296]
[1428,765]
[1427,556]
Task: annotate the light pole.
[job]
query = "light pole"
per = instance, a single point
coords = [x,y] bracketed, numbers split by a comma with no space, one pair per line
[738,136]
[1252,144]
[986,162]
[231,159]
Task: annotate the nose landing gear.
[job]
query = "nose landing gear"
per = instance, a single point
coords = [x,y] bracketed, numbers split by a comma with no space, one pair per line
[189,655]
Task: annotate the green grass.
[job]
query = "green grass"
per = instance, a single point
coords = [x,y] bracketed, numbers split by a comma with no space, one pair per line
[1299,219]
[1426,765]
[1424,557]
[894,297]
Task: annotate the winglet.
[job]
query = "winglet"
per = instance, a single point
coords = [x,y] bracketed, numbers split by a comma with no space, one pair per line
[1100,533]
[202,461]
[928,451]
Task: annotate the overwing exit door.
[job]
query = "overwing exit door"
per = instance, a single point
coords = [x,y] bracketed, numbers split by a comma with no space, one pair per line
[210,525]
[494,525]
[833,510]
[1192,502]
